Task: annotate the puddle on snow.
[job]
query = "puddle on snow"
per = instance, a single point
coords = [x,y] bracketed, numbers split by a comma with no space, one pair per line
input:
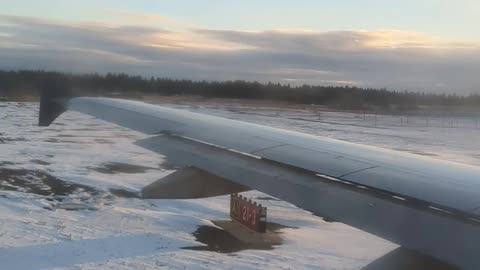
[59,193]
[218,240]
[221,241]
[117,167]
[40,162]
[9,139]
[123,193]
[6,163]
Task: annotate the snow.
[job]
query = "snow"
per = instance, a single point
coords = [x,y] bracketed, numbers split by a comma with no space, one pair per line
[104,231]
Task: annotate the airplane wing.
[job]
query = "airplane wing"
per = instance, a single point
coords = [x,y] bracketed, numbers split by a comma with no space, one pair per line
[423,204]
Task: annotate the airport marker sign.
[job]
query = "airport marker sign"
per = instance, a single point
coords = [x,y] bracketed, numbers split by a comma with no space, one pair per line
[248,213]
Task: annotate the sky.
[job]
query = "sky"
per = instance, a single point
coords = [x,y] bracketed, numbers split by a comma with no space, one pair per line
[422,45]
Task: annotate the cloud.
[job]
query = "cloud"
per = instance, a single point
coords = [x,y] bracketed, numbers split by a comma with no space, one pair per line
[169,48]
[132,18]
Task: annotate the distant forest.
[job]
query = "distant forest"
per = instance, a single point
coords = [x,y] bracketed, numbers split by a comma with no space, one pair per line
[20,84]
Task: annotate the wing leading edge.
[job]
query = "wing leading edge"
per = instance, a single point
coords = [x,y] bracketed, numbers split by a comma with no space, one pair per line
[418,202]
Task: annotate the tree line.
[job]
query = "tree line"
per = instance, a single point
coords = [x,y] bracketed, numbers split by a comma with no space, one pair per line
[16,84]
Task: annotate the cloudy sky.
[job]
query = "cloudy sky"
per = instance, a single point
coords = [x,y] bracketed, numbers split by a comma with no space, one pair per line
[420,45]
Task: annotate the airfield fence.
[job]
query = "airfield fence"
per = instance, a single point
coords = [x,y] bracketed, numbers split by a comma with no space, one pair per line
[376,119]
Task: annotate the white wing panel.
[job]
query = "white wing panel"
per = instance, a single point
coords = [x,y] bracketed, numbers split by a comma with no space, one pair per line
[450,185]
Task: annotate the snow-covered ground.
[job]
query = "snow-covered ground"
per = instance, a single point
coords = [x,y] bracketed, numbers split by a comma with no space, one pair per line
[80,163]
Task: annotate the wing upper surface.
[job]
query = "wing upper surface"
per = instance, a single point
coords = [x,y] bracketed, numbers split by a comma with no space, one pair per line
[450,185]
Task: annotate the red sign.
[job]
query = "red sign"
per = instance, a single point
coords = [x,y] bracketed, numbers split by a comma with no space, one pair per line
[248,213]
